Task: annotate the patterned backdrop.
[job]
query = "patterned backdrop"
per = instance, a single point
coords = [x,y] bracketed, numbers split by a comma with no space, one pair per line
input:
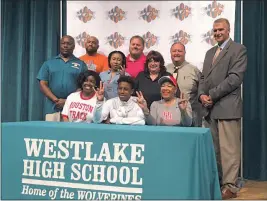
[159,22]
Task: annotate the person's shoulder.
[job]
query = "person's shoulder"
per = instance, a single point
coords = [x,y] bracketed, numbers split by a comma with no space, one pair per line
[156,103]
[237,45]
[101,55]
[74,95]
[140,75]
[83,57]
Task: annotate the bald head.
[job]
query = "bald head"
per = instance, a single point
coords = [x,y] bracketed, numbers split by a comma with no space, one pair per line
[92,45]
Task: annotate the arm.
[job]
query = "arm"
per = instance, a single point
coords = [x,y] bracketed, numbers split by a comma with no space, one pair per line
[234,78]
[43,77]
[186,116]
[65,111]
[139,119]
[151,118]
[102,111]
[47,91]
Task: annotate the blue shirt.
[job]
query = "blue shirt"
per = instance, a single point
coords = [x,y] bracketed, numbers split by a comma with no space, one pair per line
[61,77]
[224,43]
[110,85]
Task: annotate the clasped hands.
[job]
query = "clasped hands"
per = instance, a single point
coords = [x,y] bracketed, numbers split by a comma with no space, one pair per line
[206,101]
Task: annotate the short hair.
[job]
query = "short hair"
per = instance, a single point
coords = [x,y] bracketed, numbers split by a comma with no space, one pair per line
[138,37]
[156,56]
[127,79]
[93,37]
[219,20]
[70,37]
[176,43]
[84,75]
[117,52]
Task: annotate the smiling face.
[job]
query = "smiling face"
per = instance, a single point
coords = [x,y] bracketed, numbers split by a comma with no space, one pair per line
[221,32]
[178,54]
[167,90]
[153,66]
[88,85]
[115,61]
[136,48]
[124,91]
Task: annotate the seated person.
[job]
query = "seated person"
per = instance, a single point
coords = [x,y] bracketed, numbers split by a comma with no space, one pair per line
[80,105]
[117,65]
[170,110]
[122,109]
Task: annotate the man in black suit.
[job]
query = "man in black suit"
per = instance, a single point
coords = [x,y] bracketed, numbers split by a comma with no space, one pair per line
[220,94]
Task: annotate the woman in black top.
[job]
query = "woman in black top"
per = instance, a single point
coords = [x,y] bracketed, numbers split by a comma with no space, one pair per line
[147,81]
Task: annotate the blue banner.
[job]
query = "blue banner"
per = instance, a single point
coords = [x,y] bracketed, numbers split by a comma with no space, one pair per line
[56,160]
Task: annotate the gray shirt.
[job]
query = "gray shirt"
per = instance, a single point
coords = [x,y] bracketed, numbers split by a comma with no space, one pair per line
[161,114]
[188,77]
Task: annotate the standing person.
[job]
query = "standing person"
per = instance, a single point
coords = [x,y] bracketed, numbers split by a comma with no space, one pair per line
[94,61]
[117,65]
[136,59]
[57,78]
[220,95]
[187,77]
[147,80]
[80,105]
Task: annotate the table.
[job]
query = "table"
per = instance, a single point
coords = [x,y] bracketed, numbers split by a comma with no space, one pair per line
[58,160]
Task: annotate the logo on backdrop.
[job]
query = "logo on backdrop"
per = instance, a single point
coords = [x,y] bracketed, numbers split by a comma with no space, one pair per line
[181,11]
[85,14]
[214,9]
[81,39]
[181,37]
[149,13]
[116,14]
[150,39]
[209,38]
[115,40]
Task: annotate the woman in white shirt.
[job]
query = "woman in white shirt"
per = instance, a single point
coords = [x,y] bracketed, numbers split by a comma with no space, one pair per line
[80,105]
[122,109]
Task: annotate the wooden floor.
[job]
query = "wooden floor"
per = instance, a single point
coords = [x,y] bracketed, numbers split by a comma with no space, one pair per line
[253,190]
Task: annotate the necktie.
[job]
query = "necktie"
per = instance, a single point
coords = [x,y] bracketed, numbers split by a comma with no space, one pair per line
[216,54]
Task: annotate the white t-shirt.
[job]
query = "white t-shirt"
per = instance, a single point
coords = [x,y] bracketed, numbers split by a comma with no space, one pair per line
[120,112]
[78,108]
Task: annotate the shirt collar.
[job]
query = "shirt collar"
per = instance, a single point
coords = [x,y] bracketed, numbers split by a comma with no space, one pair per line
[180,66]
[109,71]
[128,58]
[72,57]
[224,43]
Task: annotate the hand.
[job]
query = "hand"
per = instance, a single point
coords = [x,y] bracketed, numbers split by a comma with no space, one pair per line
[122,70]
[206,100]
[182,102]
[100,92]
[60,103]
[141,101]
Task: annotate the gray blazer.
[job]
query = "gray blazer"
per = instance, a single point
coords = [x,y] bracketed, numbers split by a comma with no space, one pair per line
[222,80]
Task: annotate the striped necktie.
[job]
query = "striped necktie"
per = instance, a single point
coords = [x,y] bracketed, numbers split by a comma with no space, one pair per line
[216,54]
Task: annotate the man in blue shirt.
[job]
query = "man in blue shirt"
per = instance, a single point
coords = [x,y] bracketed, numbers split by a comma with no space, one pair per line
[57,76]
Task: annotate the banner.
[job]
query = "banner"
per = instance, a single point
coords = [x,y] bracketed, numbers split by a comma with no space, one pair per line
[160,23]
[57,160]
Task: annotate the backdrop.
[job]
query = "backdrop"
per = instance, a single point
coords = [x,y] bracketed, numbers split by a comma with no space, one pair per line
[160,23]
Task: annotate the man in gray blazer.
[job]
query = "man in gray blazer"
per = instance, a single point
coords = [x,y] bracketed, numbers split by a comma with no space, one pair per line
[220,95]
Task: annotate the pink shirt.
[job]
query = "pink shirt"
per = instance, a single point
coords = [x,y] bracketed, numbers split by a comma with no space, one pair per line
[135,67]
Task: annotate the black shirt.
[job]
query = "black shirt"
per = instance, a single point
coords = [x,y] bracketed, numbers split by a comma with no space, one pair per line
[149,88]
